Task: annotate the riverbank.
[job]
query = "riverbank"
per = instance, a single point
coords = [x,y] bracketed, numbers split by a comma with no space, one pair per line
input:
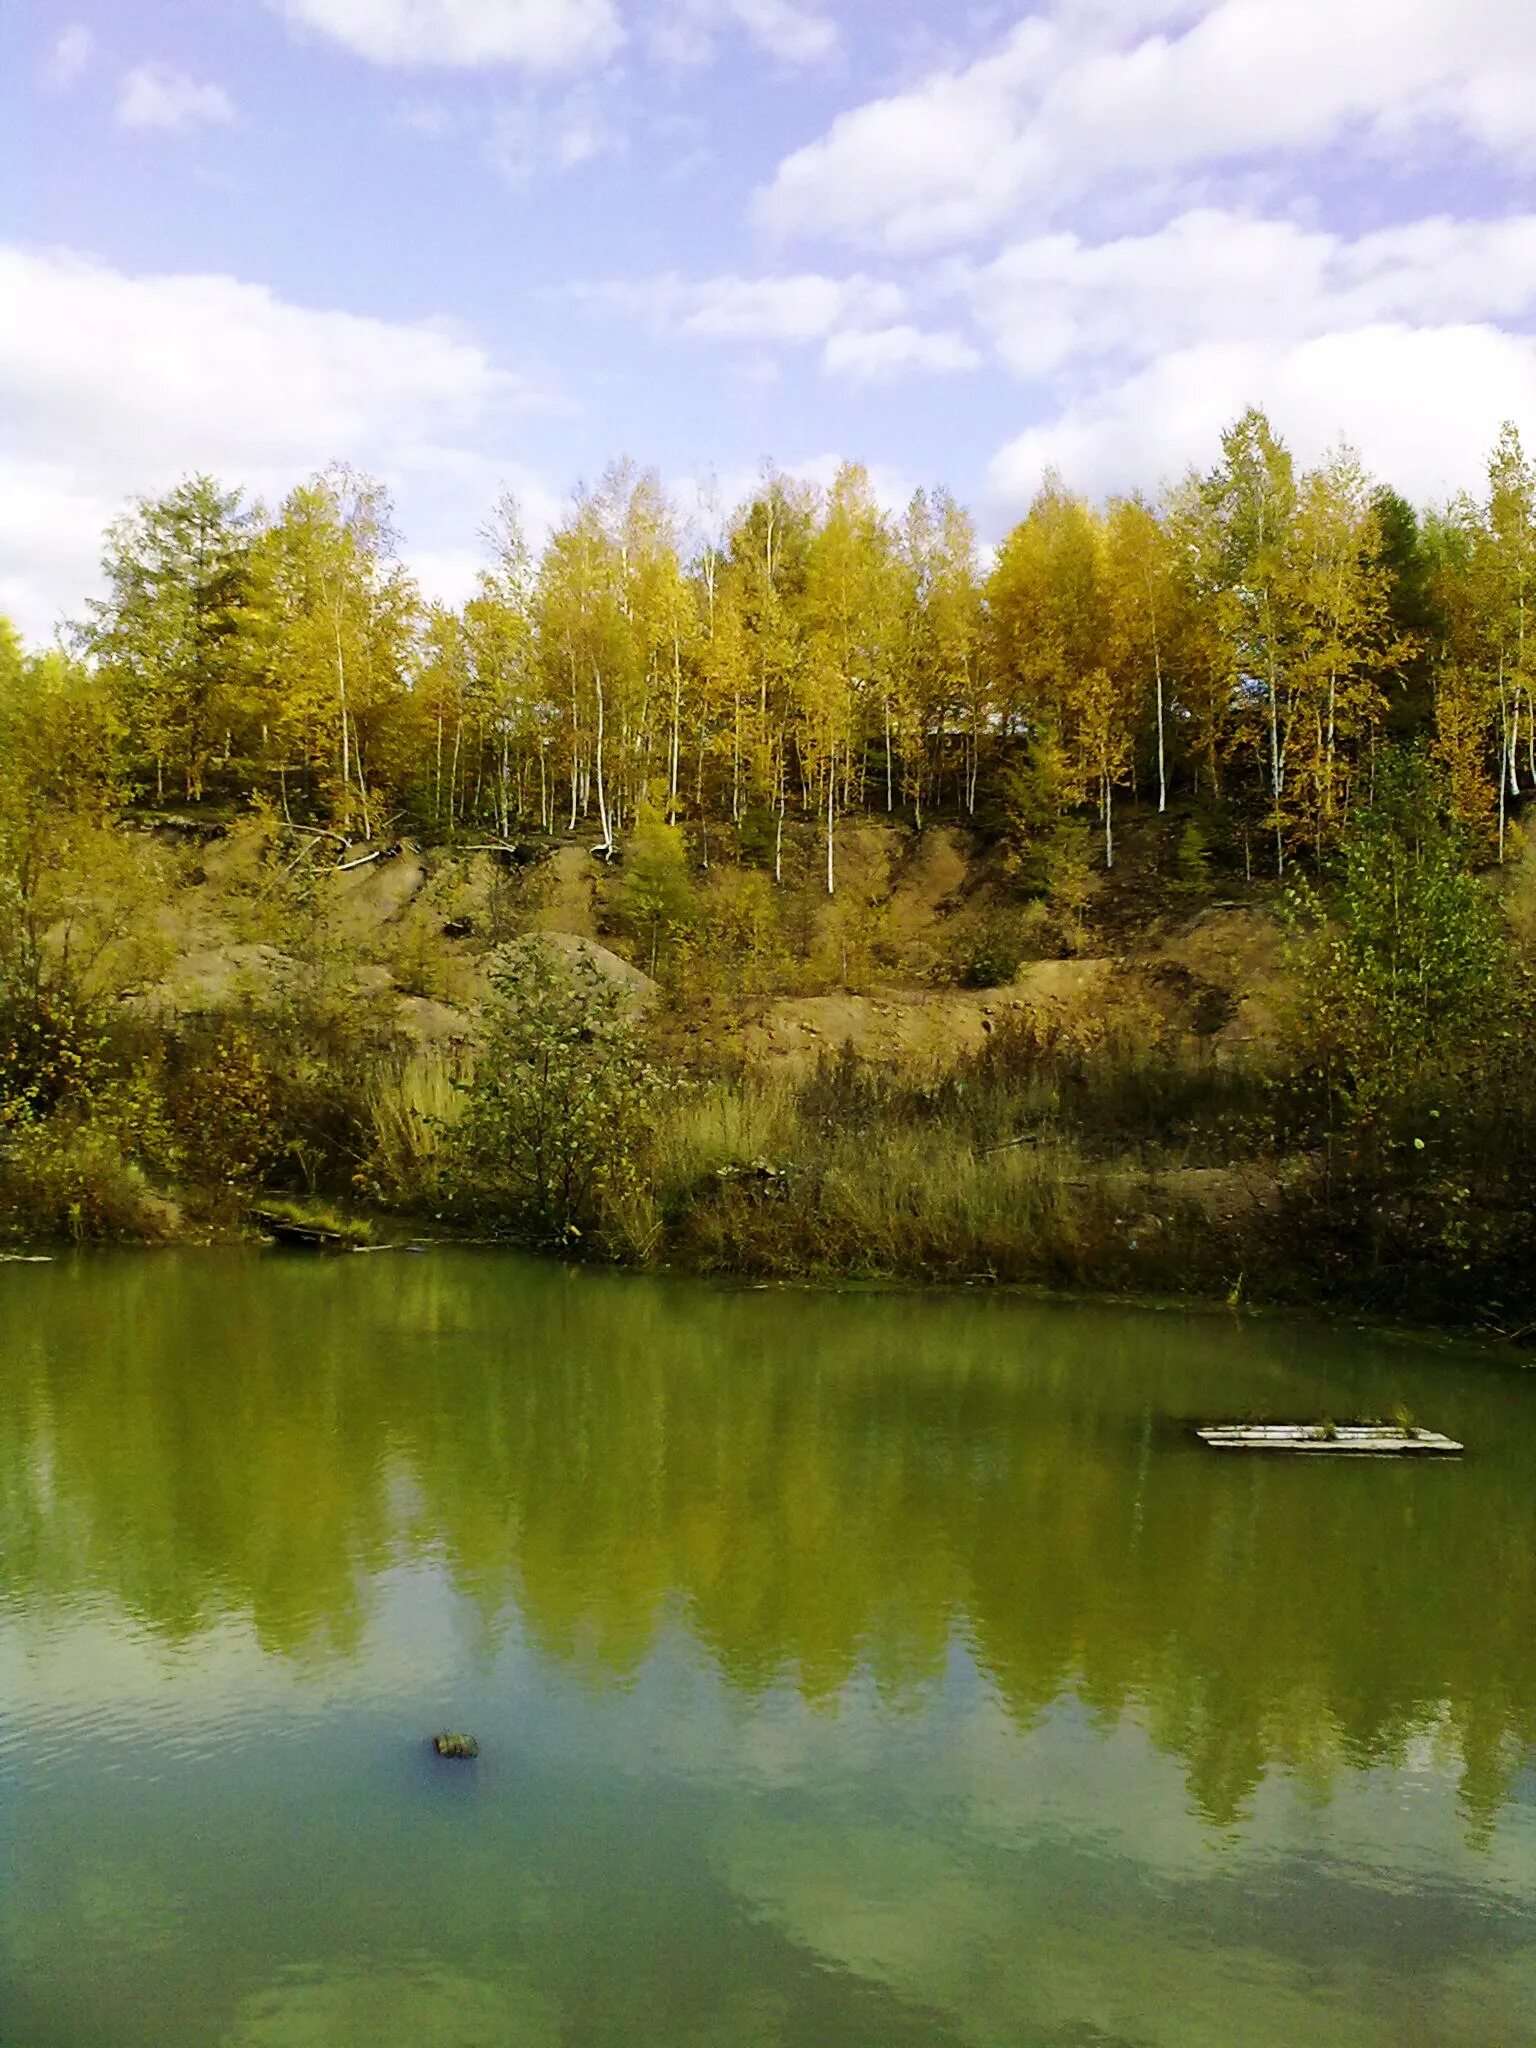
[1024,1166]
[1115,1097]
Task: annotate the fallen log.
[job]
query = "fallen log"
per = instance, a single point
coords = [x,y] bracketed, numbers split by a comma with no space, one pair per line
[345,867]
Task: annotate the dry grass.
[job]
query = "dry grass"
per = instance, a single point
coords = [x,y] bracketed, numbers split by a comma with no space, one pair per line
[852,1173]
[412,1107]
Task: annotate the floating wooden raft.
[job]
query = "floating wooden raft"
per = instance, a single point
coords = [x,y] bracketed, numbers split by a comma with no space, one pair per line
[1346,1439]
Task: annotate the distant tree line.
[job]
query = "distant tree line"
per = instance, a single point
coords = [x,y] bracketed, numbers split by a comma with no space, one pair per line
[1255,639]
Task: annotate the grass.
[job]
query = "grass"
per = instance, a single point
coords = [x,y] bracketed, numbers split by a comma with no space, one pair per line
[323,1218]
[1011,1169]
[411,1107]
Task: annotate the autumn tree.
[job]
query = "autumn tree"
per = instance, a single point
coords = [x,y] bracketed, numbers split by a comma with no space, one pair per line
[344,613]
[1348,651]
[1251,502]
[516,721]
[1143,602]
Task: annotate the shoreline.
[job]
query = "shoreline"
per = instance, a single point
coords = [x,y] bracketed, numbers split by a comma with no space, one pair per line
[1517,1351]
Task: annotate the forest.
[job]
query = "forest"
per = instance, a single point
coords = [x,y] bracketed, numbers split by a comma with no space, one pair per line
[1294,682]
[1256,638]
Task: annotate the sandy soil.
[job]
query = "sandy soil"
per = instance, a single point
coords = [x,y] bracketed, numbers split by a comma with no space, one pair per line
[412,931]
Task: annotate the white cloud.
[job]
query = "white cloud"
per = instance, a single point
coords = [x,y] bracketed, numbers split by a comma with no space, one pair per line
[51,521]
[155,96]
[112,385]
[857,319]
[920,167]
[1055,301]
[1067,102]
[1422,405]
[799,308]
[686,31]
[70,55]
[800,35]
[874,355]
[543,35]
[1151,344]
[448,574]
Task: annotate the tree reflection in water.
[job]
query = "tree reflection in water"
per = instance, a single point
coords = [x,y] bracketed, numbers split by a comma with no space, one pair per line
[821,1487]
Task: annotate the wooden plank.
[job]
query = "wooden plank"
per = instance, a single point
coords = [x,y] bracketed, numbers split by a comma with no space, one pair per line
[1343,1439]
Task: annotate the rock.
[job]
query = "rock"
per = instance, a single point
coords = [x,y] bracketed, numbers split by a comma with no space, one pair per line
[458,1748]
[637,986]
[429,1023]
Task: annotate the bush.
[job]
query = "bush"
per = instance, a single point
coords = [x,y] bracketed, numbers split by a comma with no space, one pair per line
[1408,974]
[1194,857]
[737,944]
[222,1107]
[1414,1022]
[992,953]
[59,1179]
[560,1102]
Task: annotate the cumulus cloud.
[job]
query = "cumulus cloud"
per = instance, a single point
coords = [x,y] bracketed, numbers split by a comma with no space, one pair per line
[1088,93]
[1422,405]
[541,35]
[71,53]
[857,319]
[875,355]
[1058,301]
[112,384]
[1412,340]
[154,96]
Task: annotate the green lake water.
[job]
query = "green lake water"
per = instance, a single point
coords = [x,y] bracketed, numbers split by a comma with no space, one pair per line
[849,1669]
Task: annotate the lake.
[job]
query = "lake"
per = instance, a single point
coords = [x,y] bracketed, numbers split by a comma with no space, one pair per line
[850,1670]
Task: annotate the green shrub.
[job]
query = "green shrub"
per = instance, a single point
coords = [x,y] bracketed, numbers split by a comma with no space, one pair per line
[994,950]
[736,944]
[559,1105]
[1194,857]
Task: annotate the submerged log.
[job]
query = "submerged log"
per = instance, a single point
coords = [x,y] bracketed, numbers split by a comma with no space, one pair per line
[1346,1439]
[457,1748]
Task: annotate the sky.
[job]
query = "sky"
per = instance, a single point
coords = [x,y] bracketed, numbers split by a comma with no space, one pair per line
[471,245]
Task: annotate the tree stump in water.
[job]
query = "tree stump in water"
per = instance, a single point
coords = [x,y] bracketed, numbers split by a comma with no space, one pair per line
[458,1748]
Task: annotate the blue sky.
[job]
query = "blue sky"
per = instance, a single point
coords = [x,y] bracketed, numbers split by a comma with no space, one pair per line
[473,242]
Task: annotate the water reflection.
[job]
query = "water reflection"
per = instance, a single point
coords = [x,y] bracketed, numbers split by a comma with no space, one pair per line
[817,1490]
